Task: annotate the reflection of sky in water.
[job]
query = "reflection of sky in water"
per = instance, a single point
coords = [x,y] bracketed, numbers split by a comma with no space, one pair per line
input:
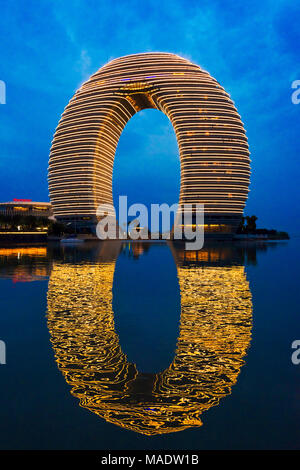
[139,299]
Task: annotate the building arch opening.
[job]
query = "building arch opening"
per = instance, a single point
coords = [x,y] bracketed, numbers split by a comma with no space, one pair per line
[147,165]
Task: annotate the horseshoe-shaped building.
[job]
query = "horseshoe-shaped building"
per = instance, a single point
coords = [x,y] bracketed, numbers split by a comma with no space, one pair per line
[213,147]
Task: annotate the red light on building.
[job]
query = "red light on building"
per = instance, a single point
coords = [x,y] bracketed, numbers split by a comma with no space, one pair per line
[22,200]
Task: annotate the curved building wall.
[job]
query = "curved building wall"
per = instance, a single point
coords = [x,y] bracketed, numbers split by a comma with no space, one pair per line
[213,148]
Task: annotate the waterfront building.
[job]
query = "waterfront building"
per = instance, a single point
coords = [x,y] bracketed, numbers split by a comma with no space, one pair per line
[25,207]
[213,147]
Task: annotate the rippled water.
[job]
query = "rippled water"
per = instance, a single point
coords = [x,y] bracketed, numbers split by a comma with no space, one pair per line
[144,346]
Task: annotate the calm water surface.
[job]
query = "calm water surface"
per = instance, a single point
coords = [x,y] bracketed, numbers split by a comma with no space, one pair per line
[145,346]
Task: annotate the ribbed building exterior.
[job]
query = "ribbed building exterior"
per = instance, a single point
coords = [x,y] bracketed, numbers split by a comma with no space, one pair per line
[213,147]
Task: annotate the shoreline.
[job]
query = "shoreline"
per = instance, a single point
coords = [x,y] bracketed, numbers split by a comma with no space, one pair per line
[35,239]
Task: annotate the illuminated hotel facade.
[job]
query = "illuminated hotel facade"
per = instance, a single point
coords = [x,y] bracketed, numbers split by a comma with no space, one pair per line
[213,147]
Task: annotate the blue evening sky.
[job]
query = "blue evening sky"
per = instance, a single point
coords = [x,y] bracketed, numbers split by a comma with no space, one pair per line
[50,47]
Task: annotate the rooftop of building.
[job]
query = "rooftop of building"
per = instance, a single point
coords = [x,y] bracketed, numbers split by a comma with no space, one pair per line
[25,202]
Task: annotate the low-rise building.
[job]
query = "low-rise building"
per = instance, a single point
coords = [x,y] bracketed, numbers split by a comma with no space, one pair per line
[26,207]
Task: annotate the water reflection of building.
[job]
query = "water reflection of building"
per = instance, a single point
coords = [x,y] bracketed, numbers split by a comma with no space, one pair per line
[34,263]
[135,249]
[219,254]
[215,332]
[24,264]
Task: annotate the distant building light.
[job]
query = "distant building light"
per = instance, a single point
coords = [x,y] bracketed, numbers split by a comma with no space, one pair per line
[22,200]
[17,208]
